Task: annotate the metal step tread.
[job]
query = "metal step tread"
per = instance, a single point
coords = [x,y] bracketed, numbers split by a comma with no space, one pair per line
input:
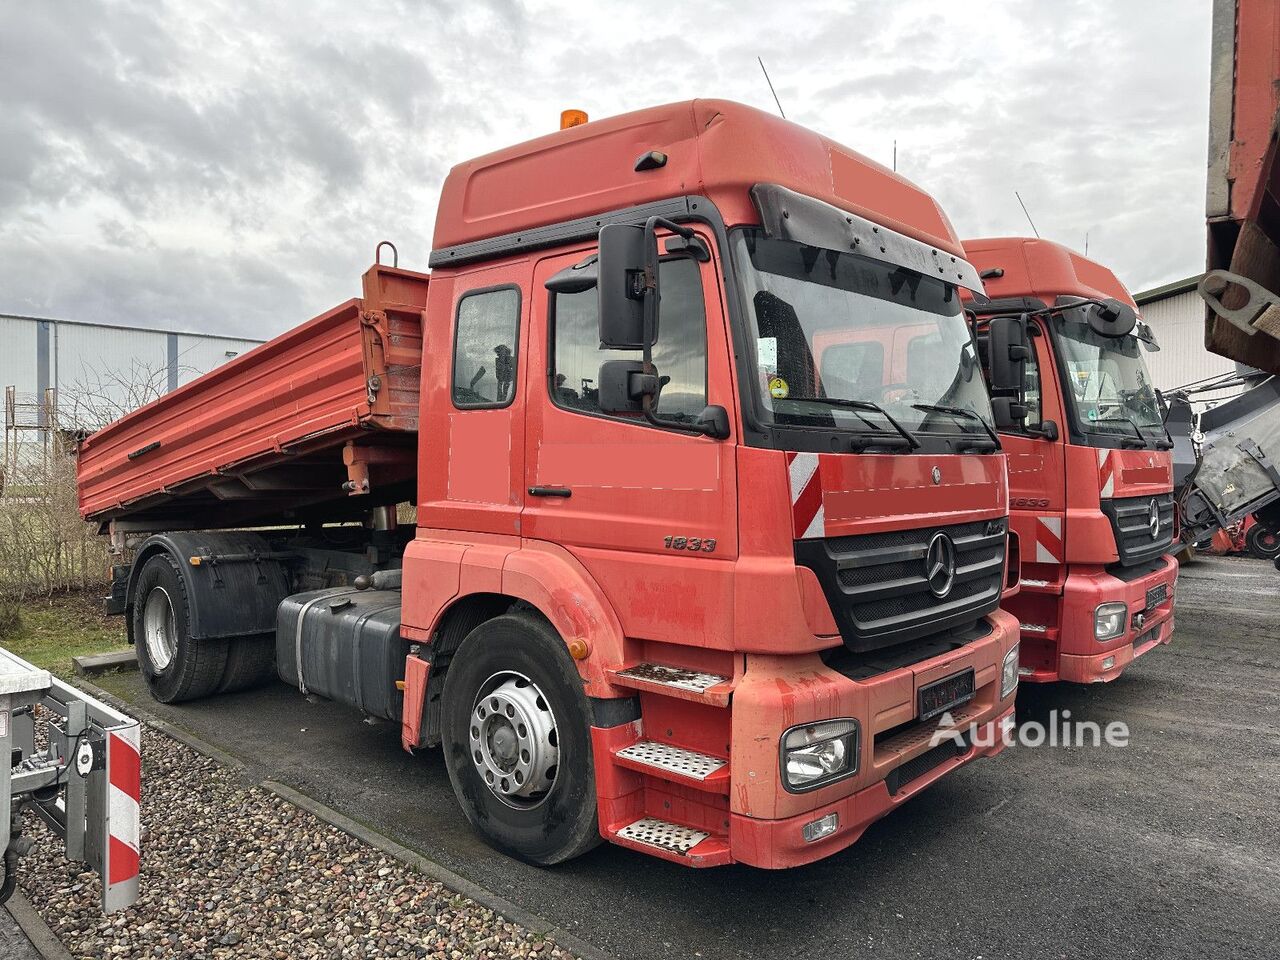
[678,760]
[664,835]
[677,677]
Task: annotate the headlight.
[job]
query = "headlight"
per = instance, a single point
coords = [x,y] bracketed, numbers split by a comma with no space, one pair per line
[1109,620]
[1009,673]
[815,754]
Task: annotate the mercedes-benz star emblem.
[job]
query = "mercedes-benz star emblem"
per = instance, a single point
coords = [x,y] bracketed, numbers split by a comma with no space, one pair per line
[937,476]
[1153,520]
[940,565]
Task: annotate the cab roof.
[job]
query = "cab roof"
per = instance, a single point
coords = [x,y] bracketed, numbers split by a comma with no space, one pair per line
[715,148]
[1041,269]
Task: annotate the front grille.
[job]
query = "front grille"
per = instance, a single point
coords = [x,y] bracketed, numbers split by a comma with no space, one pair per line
[877,587]
[1131,523]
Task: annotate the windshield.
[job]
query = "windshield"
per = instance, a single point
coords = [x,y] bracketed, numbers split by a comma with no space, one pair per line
[834,332]
[1107,379]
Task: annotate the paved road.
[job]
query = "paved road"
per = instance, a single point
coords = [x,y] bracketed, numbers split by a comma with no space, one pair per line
[1169,848]
[14,944]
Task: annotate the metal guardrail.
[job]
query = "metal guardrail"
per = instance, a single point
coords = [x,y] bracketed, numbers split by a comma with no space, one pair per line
[84,782]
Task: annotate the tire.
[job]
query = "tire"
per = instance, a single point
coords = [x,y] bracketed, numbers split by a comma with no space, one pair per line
[550,817]
[1262,543]
[251,661]
[175,666]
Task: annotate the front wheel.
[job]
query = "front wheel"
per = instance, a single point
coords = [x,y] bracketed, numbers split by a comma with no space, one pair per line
[516,736]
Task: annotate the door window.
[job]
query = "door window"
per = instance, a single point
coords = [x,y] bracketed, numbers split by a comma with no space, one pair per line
[680,353]
[485,348]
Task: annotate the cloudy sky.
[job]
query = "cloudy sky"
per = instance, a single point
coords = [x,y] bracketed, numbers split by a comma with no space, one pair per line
[227,166]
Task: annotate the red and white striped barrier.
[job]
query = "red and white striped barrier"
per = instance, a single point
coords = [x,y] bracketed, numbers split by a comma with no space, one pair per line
[124,798]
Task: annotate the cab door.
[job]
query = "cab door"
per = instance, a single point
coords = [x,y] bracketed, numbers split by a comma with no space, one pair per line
[650,512]
[1037,471]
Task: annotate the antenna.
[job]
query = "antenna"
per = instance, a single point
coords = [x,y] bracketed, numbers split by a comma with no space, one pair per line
[1024,210]
[1086,243]
[771,90]
[895,156]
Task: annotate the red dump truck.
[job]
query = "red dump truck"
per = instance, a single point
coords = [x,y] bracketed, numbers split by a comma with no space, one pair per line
[711,522]
[1090,466]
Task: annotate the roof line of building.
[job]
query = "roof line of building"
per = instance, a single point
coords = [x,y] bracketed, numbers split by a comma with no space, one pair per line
[115,326]
[1168,290]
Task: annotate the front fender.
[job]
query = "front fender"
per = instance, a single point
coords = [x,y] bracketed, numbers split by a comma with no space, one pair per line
[551,579]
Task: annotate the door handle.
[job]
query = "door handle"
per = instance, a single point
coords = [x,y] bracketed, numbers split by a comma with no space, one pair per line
[563,492]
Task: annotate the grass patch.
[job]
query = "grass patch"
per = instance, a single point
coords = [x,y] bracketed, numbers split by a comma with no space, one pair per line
[57,628]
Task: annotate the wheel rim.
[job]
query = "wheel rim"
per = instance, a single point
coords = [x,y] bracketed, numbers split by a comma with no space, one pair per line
[514,743]
[159,631]
[1269,543]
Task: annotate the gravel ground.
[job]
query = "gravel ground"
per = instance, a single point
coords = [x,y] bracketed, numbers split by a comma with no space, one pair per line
[230,870]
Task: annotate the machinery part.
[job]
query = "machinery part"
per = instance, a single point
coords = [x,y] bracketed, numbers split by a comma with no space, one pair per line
[542,823]
[176,666]
[1262,543]
[1261,307]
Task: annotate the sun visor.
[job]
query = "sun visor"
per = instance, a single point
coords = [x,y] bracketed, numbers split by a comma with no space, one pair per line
[787,215]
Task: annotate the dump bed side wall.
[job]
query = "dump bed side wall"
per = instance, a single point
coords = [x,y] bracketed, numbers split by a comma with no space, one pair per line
[347,371]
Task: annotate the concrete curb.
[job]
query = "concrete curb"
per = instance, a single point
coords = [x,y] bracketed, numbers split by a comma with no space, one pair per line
[93,664]
[44,940]
[411,858]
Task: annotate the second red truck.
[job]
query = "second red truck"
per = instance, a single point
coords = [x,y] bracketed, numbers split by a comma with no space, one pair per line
[1090,468]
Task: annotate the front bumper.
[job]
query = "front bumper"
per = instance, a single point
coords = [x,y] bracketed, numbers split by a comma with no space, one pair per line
[1080,657]
[899,755]
[778,844]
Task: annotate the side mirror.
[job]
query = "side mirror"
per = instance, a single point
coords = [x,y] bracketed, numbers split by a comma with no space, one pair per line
[1009,354]
[715,422]
[623,386]
[1112,318]
[621,288]
[1009,413]
[1048,429]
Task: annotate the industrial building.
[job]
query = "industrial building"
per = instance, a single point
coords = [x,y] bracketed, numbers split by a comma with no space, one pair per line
[1176,314]
[67,377]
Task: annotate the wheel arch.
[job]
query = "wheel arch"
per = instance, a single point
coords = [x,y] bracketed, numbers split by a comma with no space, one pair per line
[257,586]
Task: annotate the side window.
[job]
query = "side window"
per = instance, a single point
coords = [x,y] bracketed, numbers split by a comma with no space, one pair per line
[485,347]
[680,353]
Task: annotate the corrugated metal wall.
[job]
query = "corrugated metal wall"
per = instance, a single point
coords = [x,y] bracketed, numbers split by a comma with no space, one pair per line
[1178,322]
[101,372]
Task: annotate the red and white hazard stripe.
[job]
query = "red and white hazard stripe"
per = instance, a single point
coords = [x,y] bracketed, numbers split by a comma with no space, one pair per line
[124,783]
[807,513]
[1106,475]
[1049,547]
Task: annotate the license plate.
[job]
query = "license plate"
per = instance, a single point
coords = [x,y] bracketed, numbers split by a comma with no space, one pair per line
[1157,595]
[941,695]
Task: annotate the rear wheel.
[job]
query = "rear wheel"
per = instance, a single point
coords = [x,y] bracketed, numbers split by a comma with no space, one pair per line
[1262,543]
[175,666]
[251,661]
[516,732]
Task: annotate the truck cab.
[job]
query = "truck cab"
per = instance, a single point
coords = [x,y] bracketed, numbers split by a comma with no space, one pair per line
[711,518]
[1090,465]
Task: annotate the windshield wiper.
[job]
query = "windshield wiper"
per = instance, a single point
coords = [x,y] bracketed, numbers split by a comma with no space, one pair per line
[1127,442]
[962,413]
[907,435]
